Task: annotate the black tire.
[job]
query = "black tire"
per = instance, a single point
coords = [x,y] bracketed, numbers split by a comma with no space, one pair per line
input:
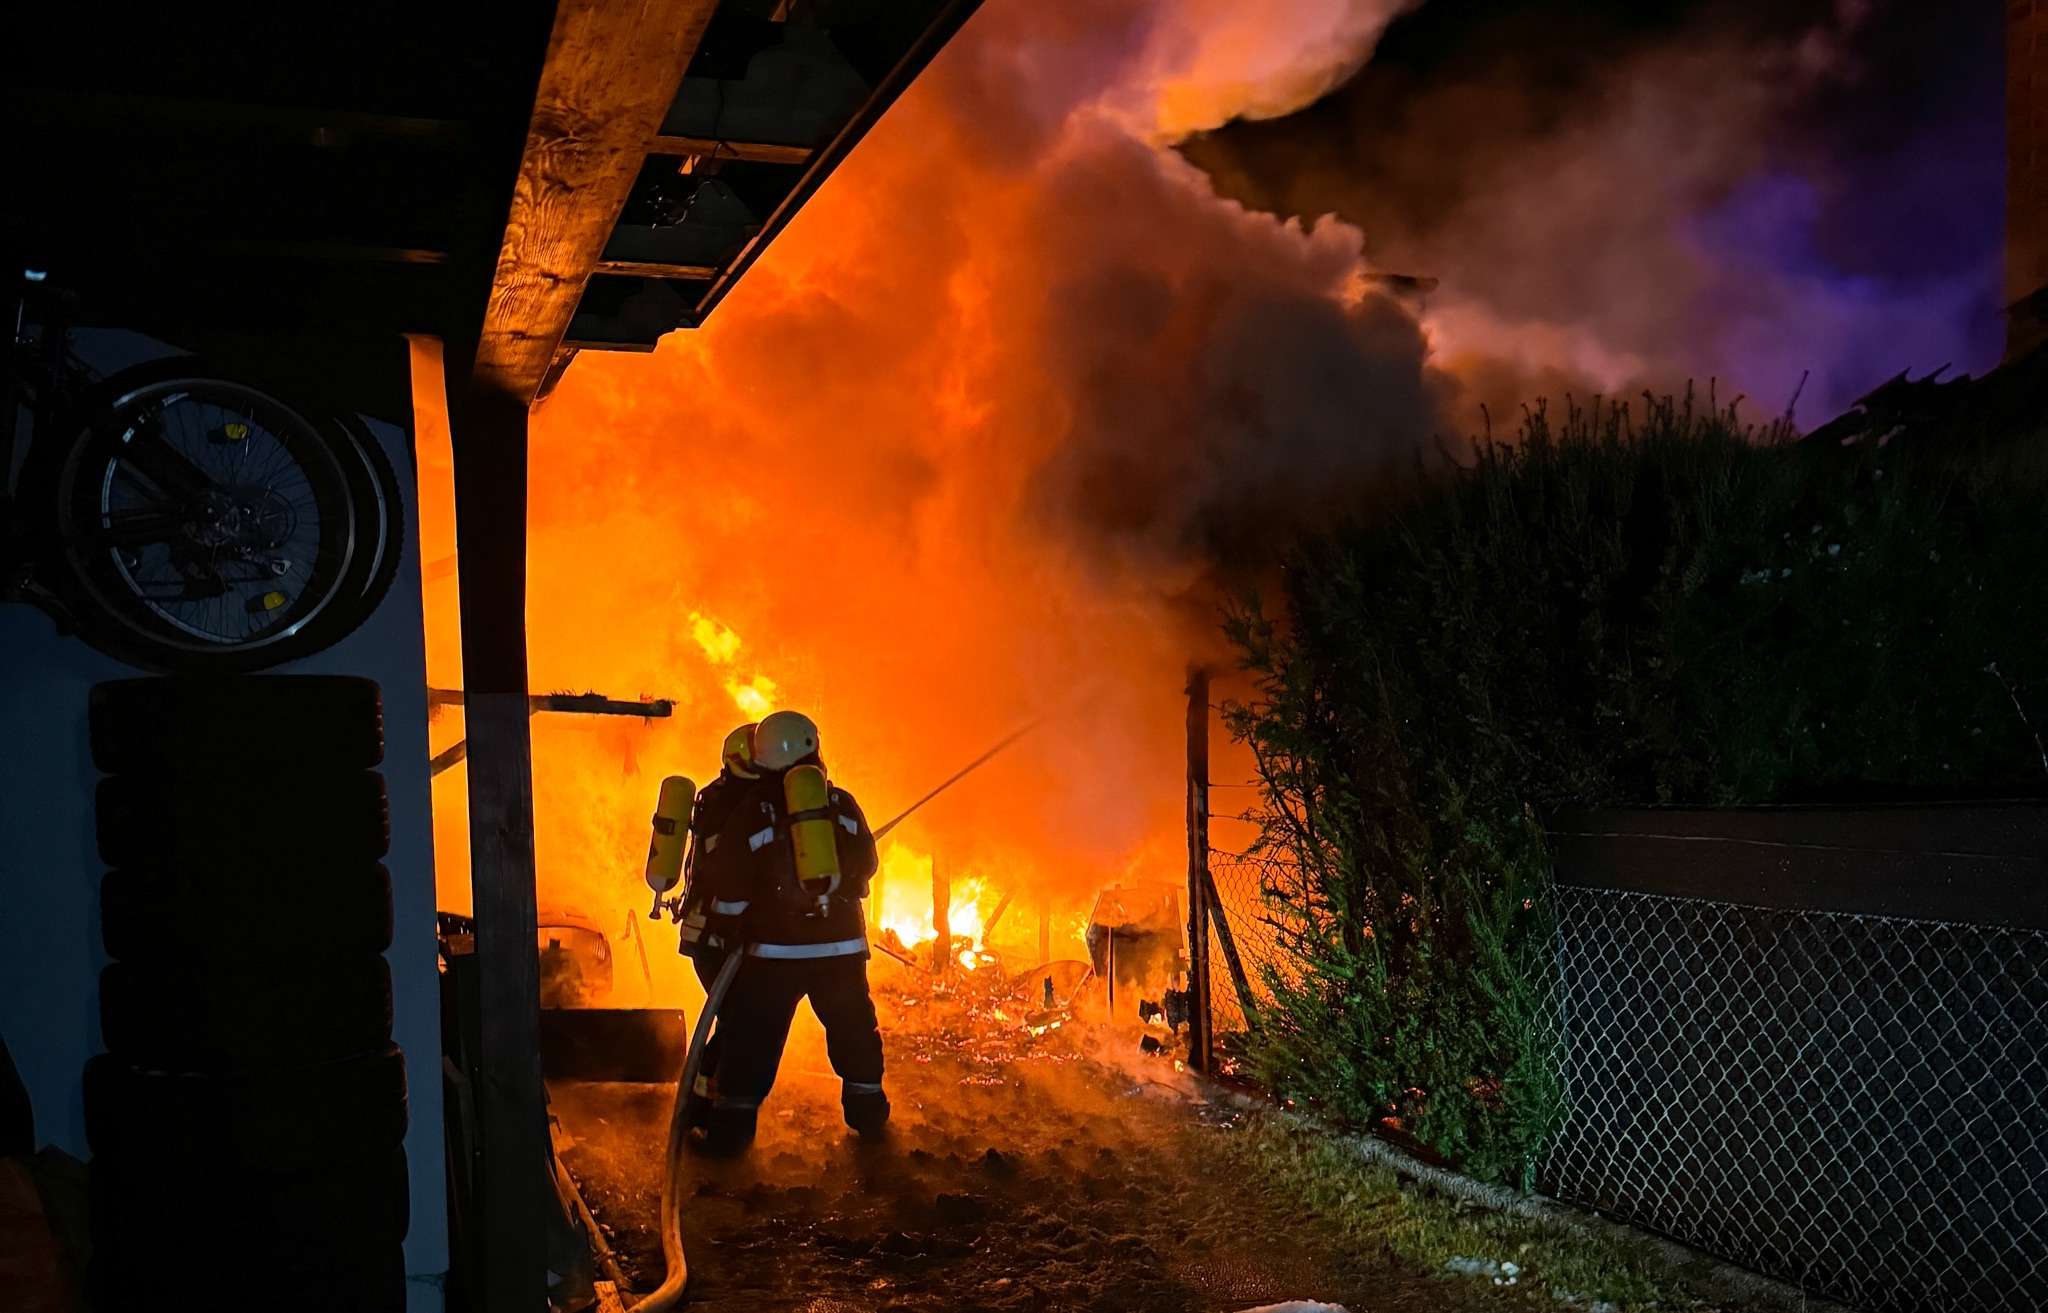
[380,522]
[243,820]
[237,1016]
[347,1204]
[336,579]
[140,1274]
[196,723]
[273,1121]
[293,914]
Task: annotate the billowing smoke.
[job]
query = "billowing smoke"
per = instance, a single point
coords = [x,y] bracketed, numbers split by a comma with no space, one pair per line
[974,441]
[1626,196]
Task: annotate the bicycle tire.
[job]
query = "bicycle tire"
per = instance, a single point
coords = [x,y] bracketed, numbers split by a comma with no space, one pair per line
[381,522]
[358,499]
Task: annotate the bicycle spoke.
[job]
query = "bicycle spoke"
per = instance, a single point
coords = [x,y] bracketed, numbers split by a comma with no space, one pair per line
[173,473]
[138,527]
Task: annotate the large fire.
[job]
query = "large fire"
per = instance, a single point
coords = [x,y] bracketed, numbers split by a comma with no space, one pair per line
[945,462]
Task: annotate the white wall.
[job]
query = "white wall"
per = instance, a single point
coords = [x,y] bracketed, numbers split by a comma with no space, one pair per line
[50,955]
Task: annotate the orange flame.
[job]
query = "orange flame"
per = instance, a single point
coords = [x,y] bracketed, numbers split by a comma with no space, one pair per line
[833,496]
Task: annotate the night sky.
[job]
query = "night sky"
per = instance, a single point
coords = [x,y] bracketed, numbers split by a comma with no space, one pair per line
[1830,174]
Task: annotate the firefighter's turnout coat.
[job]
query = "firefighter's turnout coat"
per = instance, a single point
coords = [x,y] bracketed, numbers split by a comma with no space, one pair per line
[744,877]
[743,882]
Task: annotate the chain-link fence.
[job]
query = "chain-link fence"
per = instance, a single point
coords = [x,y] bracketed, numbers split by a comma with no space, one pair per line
[1778,1044]
[1246,887]
[1857,1103]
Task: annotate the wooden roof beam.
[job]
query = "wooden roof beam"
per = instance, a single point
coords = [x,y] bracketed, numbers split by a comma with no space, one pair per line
[712,149]
[610,76]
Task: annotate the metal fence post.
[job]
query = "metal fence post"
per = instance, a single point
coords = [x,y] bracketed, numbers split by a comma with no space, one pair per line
[1199,1020]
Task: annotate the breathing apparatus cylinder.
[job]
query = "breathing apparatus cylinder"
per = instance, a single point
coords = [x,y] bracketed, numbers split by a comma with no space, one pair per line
[811,840]
[671,833]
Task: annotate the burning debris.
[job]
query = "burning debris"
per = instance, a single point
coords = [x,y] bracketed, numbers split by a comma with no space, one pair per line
[986,1017]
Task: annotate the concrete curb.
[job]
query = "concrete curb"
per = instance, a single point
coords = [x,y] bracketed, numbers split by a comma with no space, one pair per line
[1716,1278]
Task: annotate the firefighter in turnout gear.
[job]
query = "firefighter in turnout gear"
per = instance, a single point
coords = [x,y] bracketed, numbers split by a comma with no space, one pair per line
[791,860]
[709,927]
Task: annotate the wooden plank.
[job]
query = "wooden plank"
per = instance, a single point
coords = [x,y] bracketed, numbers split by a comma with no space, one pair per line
[650,269]
[448,758]
[611,74]
[759,152]
[580,704]
[489,431]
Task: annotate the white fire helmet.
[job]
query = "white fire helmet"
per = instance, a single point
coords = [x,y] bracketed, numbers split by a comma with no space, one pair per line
[784,738]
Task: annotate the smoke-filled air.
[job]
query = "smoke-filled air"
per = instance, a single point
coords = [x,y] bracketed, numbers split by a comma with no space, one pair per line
[984,437]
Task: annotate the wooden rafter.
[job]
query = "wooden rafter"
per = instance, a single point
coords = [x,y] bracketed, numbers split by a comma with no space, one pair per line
[655,269]
[710,148]
[611,73]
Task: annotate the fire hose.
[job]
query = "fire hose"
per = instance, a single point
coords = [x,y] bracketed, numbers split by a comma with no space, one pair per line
[670,1293]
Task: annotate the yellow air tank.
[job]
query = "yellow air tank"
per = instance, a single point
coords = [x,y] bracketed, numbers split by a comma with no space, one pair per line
[810,831]
[671,832]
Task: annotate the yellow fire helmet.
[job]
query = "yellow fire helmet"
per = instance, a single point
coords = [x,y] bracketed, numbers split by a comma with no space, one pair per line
[738,752]
[784,738]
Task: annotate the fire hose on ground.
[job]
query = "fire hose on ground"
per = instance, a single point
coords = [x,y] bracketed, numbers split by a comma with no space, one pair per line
[670,1292]
[664,867]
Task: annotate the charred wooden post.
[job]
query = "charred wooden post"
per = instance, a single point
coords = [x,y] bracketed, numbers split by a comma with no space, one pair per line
[942,913]
[1198,869]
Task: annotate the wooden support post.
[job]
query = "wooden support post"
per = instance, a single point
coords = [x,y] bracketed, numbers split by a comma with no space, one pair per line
[490,449]
[1109,956]
[1199,1039]
[942,915]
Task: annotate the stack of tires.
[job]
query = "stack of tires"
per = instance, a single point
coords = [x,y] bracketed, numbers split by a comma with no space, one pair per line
[247,1118]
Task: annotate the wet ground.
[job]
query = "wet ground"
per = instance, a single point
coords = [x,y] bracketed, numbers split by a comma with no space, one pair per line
[1018,1176]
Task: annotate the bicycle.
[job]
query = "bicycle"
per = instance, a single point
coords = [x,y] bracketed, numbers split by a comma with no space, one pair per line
[180,518]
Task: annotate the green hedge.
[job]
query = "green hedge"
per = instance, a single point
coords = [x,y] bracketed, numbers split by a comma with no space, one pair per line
[1616,608]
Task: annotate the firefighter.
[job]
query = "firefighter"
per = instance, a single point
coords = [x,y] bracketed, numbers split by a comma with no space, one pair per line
[711,927]
[797,855]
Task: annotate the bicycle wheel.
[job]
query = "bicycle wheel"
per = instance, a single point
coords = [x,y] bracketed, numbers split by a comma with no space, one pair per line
[200,523]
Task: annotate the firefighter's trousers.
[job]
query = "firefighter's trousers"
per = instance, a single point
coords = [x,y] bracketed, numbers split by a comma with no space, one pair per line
[753,1026]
